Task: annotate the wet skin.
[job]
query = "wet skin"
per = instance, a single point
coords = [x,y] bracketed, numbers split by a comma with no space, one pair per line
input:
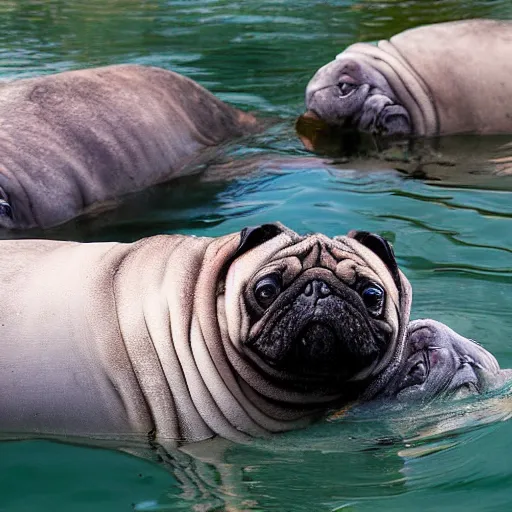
[439,362]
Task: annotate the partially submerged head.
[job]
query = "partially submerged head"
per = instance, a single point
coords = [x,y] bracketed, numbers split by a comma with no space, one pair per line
[351,93]
[438,362]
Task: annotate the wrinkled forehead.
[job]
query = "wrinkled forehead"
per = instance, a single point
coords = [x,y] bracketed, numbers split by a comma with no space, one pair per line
[344,256]
[424,335]
[343,65]
[347,64]
[361,67]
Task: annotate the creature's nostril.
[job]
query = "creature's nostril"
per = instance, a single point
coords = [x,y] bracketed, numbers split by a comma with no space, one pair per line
[324,290]
[317,289]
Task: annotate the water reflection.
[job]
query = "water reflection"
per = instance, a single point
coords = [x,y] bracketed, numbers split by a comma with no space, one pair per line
[352,462]
[362,460]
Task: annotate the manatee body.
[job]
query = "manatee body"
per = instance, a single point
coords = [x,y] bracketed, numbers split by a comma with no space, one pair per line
[440,79]
[182,338]
[71,140]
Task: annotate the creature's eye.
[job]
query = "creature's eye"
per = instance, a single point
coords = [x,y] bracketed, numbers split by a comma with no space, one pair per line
[346,88]
[373,297]
[267,290]
[5,209]
[417,374]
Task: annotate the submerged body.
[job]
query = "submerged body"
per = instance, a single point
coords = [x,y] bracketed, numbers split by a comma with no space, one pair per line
[75,139]
[440,79]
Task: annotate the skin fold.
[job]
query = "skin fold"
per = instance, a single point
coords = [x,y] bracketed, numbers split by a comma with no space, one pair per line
[72,141]
[170,342]
[109,392]
[182,339]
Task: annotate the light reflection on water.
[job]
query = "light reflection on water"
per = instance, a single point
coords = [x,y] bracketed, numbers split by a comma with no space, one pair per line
[452,234]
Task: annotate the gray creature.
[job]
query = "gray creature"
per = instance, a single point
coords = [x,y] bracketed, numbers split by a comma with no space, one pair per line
[439,363]
[72,141]
[439,79]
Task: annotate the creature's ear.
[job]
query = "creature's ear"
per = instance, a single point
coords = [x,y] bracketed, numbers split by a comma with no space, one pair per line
[253,236]
[382,248]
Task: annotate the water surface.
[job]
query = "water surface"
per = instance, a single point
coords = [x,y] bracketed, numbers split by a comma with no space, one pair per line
[453,238]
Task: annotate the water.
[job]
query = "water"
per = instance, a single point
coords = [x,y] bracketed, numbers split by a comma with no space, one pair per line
[453,239]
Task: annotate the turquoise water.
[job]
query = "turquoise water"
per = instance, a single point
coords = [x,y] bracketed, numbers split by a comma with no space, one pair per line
[453,238]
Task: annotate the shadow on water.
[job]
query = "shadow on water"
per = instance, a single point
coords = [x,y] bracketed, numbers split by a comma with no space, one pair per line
[470,161]
[181,205]
[197,203]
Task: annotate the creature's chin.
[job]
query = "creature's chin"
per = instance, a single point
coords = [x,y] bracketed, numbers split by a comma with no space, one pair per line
[464,383]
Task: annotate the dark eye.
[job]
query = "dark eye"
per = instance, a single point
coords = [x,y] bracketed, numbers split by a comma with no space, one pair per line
[267,289]
[373,297]
[5,209]
[417,373]
[346,87]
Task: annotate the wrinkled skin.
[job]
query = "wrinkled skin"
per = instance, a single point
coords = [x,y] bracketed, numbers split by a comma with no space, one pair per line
[320,316]
[321,327]
[421,82]
[181,338]
[439,362]
[357,97]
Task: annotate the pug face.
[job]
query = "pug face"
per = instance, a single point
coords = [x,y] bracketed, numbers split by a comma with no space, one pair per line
[319,313]
[315,322]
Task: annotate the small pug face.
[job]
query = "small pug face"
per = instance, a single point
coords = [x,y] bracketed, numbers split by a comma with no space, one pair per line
[439,362]
[354,95]
[322,311]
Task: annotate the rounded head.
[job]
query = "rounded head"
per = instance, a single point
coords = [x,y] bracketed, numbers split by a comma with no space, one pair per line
[351,93]
[319,313]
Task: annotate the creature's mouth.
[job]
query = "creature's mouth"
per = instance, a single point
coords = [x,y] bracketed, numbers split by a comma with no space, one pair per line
[474,376]
[463,391]
[325,349]
[316,332]
[319,340]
